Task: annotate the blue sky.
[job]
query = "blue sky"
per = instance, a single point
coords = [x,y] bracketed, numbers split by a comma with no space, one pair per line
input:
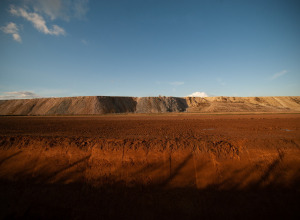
[149,48]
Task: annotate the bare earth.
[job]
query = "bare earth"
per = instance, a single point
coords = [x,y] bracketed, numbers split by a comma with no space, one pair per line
[95,105]
[139,166]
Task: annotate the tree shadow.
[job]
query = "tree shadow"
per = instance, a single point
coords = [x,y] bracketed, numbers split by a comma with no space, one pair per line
[43,174]
[271,168]
[46,199]
[54,174]
[9,157]
[174,173]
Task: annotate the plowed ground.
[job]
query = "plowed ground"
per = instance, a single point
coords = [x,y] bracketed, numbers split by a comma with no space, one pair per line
[150,166]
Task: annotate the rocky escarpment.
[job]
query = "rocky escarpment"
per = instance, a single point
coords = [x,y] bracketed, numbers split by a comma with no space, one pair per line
[92,105]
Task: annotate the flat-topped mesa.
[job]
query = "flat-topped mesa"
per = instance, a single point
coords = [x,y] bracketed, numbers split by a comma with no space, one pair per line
[93,105]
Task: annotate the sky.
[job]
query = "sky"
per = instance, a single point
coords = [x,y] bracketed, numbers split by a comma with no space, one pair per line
[59,48]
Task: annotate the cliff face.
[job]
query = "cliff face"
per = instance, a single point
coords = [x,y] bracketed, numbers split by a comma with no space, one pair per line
[89,105]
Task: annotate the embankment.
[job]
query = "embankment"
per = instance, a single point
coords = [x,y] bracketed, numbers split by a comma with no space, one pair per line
[195,163]
[244,104]
[93,105]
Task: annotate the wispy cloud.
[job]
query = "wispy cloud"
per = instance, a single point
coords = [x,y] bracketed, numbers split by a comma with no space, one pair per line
[12,28]
[276,75]
[221,81]
[198,94]
[51,8]
[41,12]
[18,95]
[176,83]
[60,9]
[38,21]
[84,42]
[80,8]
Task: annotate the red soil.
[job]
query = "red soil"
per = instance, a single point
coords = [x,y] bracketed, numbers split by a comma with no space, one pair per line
[149,166]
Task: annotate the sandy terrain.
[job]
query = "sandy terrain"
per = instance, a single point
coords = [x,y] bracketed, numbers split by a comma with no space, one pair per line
[150,166]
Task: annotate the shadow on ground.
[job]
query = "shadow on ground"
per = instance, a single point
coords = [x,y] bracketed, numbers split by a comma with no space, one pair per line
[45,196]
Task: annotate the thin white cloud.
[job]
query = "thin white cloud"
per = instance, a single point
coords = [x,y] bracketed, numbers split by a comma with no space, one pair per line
[39,12]
[60,9]
[51,8]
[80,8]
[198,94]
[18,95]
[57,30]
[84,42]
[276,75]
[221,81]
[12,28]
[38,21]
[176,83]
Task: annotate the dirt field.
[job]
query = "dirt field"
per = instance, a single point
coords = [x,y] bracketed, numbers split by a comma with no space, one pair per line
[135,166]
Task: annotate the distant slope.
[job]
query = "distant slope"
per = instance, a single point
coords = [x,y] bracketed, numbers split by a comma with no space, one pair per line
[160,104]
[244,104]
[89,105]
[85,105]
